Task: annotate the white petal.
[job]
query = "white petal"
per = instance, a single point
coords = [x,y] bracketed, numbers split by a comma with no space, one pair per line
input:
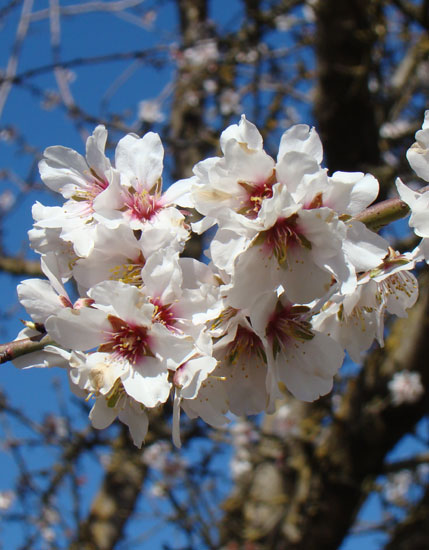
[301,138]
[418,157]
[302,279]
[101,414]
[39,299]
[364,248]
[192,374]
[95,156]
[78,329]
[147,382]
[351,192]
[140,159]
[137,423]
[244,132]
[307,368]
[407,195]
[292,167]
[179,193]
[63,170]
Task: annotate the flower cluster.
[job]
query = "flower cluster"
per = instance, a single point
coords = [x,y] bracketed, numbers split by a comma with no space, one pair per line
[292,279]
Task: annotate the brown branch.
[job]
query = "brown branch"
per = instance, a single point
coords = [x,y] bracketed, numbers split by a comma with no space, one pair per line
[410,10]
[17,348]
[88,7]
[116,499]
[12,64]
[377,216]
[151,55]
[20,266]
[407,464]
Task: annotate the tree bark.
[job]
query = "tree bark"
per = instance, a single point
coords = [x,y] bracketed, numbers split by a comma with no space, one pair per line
[345,109]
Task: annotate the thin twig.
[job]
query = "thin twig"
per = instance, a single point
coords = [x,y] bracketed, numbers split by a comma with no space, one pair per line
[12,65]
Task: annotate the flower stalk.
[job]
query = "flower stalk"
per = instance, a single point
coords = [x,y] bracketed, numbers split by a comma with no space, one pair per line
[12,350]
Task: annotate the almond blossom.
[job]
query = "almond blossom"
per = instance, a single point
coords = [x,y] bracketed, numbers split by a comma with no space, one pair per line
[293,279]
[355,320]
[418,153]
[133,346]
[406,387]
[286,219]
[83,182]
[418,202]
[300,358]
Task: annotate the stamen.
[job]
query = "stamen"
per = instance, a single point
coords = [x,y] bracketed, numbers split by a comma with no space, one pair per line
[164,313]
[281,236]
[127,341]
[245,344]
[256,194]
[287,324]
[143,205]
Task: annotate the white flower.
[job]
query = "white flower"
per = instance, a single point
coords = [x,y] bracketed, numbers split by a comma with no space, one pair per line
[96,376]
[130,344]
[67,172]
[243,433]
[156,454]
[283,422]
[418,153]
[419,219]
[286,223]
[419,204]
[187,380]
[139,201]
[356,319]
[405,387]
[229,102]
[240,464]
[7,200]
[242,365]
[84,182]
[300,358]
[130,412]
[397,487]
[118,254]
[239,180]
[6,499]
[46,240]
[418,157]
[203,53]
[284,22]
[150,111]
[42,299]
[294,248]
[395,129]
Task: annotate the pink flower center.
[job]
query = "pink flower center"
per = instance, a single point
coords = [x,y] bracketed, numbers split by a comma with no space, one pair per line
[98,185]
[94,187]
[287,324]
[256,194]
[126,341]
[142,205]
[164,313]
[245,344]
[281,236]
